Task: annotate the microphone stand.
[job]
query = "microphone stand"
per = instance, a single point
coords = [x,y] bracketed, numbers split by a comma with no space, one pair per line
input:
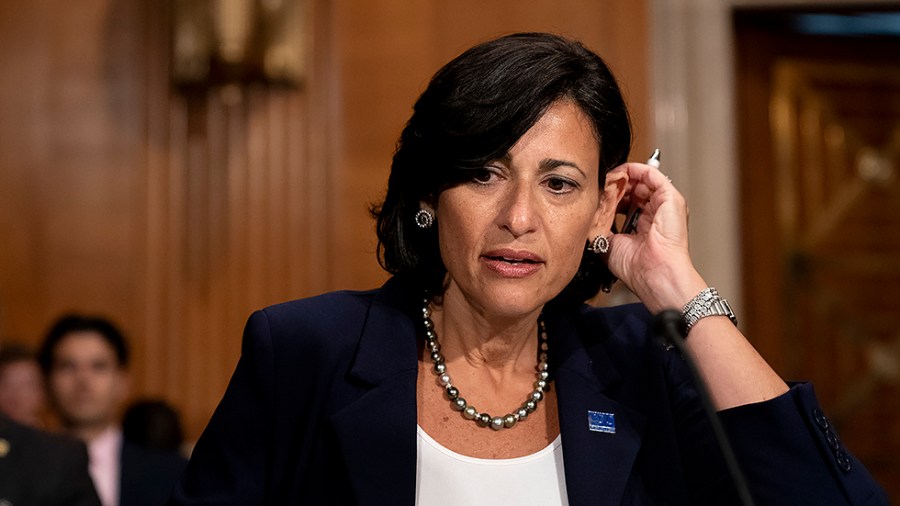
[670,325]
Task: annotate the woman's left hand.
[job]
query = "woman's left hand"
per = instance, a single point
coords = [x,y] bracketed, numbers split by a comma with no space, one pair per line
[655,261]
[656,265]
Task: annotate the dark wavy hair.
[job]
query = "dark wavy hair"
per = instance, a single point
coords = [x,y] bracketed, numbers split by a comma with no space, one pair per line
[474,110]
[72,323]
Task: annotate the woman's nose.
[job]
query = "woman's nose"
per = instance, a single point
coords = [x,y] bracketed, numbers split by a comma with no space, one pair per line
[520,213]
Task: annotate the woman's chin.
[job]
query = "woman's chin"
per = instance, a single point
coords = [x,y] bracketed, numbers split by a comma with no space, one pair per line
[506,296]
[512,302]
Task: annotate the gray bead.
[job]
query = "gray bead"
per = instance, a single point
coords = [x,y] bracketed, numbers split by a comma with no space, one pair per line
[497,423]
[428,325]
[542,357]
[483,419]
[458,404]
[544,375]
[522,413]
[542,366]
[440,368]
[537,395]
[436,357]
[544,346]
[426,313]
[430,335]
[444,378]
[452,392]
[530,406]
[509,421]
[541,385]
[470,412]
[433,346]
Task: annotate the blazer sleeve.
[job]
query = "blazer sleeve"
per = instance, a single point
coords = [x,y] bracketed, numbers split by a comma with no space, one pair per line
[791,453]
[229,464]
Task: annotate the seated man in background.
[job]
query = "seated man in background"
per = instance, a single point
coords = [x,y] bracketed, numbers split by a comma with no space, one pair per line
[21,385]
[38,468]
[85,361]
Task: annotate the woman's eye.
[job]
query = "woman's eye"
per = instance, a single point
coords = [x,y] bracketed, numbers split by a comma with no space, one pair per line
[482,176]
[559,185]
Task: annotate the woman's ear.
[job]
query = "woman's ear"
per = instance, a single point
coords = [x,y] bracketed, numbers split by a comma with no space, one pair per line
[426,206]
[611,194]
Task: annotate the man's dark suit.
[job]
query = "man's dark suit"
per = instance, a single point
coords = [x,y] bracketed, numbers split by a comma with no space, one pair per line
[322,410]
[37,468]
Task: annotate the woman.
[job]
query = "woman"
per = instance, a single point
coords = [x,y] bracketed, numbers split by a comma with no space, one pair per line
[476,372]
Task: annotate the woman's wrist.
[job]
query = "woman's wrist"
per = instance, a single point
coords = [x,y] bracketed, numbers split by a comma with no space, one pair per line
[669,288]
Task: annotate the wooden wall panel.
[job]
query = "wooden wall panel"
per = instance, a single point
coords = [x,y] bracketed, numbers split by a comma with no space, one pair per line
[69,169]
[178,215]
[231,219]
[232,227]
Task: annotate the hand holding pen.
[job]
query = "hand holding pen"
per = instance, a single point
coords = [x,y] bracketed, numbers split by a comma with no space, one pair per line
[630,224]
[631,220]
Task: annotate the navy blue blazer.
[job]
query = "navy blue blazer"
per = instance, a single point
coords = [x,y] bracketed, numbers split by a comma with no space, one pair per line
[322,410]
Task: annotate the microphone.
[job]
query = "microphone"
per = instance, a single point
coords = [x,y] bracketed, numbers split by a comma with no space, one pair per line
[672,328]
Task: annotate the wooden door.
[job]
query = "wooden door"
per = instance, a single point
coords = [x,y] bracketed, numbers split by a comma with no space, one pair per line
[819,138]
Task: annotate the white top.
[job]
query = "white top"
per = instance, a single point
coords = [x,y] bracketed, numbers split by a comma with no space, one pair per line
[448,478]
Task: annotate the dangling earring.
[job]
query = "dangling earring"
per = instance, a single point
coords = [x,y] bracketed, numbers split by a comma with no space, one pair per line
[600,245]
[424,219]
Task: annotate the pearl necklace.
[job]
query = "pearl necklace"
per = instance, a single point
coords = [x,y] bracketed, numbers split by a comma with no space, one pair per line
[541,385]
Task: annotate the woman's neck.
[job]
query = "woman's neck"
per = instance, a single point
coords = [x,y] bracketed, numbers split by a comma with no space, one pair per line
[504,344]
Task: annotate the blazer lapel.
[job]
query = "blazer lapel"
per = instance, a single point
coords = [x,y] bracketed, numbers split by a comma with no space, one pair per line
[377,432]
[600,436]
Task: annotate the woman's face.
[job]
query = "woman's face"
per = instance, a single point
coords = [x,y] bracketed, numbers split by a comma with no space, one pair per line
[512,238]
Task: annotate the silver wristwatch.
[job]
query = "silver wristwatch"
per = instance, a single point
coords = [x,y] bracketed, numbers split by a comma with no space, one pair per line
[707,303]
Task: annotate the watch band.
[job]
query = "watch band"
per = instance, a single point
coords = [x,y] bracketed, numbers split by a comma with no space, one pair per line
[706,303]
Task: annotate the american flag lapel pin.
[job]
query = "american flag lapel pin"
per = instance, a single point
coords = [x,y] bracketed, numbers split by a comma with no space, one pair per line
[598,421]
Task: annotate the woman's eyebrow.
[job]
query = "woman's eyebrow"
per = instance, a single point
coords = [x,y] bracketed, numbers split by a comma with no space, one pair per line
[549,164]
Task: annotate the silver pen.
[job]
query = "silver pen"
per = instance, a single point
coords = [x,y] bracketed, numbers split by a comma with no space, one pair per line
[632,219]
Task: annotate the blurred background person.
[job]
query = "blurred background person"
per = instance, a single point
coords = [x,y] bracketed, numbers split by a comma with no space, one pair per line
[21,385]
[38,468]
[85,361]
[154,423]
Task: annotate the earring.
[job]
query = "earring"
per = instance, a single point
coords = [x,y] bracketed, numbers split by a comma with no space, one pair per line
[424,219]
[600,245]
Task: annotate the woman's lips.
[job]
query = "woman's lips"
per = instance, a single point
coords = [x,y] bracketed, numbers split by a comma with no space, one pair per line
[512,263]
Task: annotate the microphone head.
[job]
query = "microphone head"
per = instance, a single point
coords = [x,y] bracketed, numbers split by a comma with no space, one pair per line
[668,324]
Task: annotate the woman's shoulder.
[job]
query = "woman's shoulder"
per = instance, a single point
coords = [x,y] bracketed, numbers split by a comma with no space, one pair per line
[625,332]
[617,322]
[341,304]
[332,314]
[333,320]
[328,305]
